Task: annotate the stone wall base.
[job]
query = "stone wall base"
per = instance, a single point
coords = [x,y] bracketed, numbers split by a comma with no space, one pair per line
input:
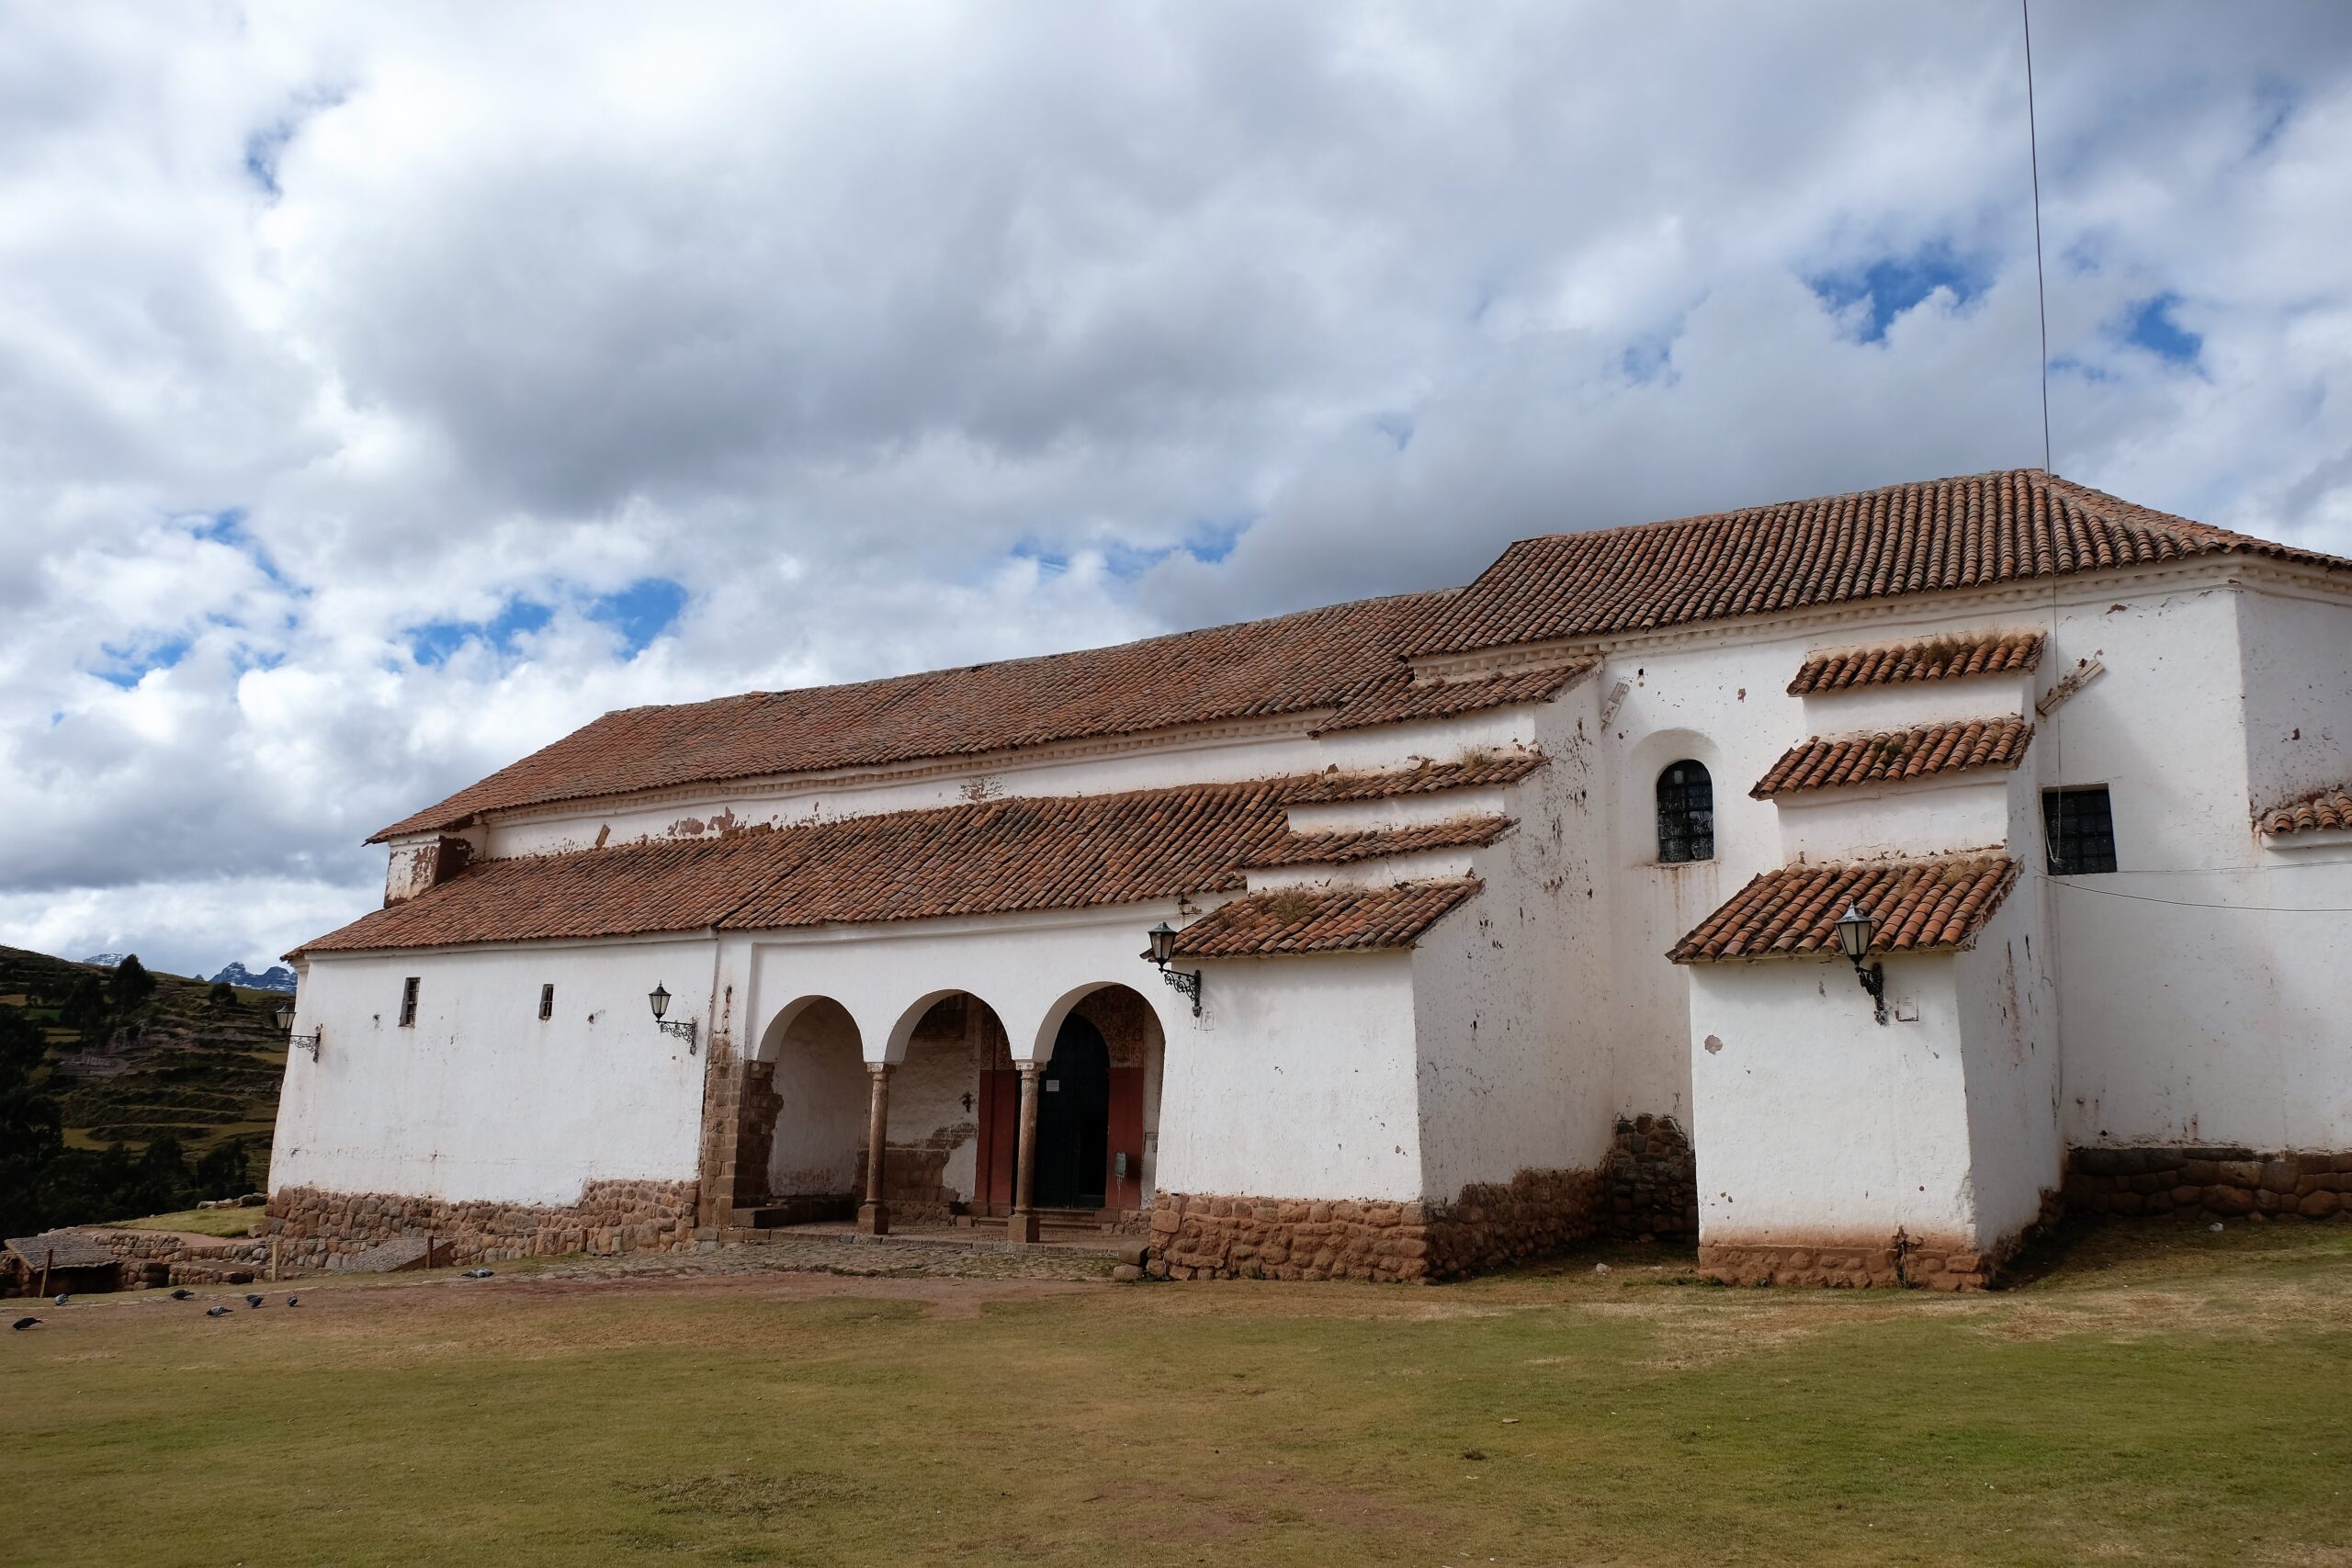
[1209,1236]
[1652,1179]
[1848,1266]
[310,1228]
[2207,1181]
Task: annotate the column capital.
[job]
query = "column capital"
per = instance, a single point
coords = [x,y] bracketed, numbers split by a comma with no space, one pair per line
[880,1069]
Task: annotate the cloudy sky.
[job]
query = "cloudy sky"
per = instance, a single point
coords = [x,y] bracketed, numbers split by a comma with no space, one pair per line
[384,392]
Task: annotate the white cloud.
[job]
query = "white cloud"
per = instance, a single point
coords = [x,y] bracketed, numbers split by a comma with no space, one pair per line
[904,335]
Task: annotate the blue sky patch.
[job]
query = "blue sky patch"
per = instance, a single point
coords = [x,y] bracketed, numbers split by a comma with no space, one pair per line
[642,612]
[434,641]
[1895,284]
[130,665]
[2148,323]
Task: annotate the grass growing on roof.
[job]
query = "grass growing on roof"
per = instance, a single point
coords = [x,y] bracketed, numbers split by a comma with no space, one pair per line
[2170,1395]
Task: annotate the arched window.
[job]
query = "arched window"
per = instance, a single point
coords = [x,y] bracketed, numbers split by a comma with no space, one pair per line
[1686,814]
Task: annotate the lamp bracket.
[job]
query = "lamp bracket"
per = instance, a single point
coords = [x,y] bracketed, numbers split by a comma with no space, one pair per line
[1187,982]
[1873,979]
[305,1043]
[685,1029]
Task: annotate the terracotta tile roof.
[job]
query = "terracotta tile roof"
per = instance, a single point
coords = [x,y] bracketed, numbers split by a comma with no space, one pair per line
[1904,539]
[2326,808]
[1400,700]
[1920,906]
[1428,779]
[1895,756]
[1930,659]
[1336,920]
[995,857]
[1346,657]
[1347,846]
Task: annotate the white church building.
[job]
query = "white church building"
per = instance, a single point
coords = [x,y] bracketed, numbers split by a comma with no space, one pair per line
[1497,918]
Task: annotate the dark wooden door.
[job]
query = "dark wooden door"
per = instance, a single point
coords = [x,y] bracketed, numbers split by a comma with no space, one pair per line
[1074,1120]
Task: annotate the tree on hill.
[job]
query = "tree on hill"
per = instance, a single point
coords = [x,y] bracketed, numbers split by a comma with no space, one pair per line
[86,1008]
[29,1125]
[130,985]
[221,995]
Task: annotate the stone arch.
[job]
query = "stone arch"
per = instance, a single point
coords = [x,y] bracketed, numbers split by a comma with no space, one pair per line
[802,1144]
[1136,1042]
[942,1052]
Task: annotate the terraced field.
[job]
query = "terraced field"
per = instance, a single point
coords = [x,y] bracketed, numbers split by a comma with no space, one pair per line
[183,1065]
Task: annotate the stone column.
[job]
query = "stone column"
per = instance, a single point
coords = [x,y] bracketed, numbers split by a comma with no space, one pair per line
[874,1214]
[1022,1228]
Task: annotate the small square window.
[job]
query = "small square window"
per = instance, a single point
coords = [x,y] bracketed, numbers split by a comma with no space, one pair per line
[2079,830]
[547,1003]
[408,1002]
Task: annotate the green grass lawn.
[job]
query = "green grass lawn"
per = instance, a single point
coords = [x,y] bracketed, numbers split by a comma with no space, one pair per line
[197,1222]
[2168,1396]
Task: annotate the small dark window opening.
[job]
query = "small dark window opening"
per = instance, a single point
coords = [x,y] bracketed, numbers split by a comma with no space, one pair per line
[546,1002]
[2079,829]
[408,1002]
[1686,814]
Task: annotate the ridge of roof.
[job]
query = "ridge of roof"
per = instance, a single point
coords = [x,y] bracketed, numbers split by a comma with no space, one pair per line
[1920,536]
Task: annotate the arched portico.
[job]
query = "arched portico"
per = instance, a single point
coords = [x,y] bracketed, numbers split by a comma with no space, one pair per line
[801,1144]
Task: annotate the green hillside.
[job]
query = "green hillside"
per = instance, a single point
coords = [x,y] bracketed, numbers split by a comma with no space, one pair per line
[188,1061]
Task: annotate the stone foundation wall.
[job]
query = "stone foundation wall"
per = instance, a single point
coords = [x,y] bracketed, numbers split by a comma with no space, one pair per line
[312,1229]
[2207,1181]
[1849,1265]
[1208,1236]
[1652,1179]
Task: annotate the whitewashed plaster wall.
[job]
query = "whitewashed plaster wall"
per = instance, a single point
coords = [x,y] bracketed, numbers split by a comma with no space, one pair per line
[1302,1086]
[2009,1011]
[935,1101]
[1514,1072]
[1926,818]
[2297,654]
[821,1080]
[1814,1124]
[2189,1012]
[481,1100]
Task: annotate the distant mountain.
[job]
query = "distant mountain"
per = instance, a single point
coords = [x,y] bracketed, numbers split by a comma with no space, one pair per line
[277,977]
[105,960]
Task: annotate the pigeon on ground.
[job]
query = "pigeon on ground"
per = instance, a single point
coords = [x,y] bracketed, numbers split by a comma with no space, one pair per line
[216,1312]
[252,1301]
[182,1294]
[62,1297]
[293,1300]
[24,1323]
[477,1274]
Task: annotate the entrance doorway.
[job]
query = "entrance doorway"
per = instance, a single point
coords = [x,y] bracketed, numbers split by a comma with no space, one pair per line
[1074,1120]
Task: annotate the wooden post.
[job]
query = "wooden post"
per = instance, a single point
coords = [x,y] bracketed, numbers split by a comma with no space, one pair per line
[1022,1228]
[874,1214]
[48,1256]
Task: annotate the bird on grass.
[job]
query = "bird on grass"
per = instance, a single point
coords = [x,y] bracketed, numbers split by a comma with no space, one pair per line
[477,1274]
[24,1323]
[252,1301]
[216,1312]
[182,1294]
[62,1297]
[293,1300]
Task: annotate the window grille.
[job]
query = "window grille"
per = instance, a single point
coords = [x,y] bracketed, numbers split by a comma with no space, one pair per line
[2078,828]
[1686,814]
[408,1002]
[546,1002]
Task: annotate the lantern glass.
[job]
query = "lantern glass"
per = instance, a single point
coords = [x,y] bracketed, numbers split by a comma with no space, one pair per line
[1855,930]
[285,1016]
[660,998]
[1163,943]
